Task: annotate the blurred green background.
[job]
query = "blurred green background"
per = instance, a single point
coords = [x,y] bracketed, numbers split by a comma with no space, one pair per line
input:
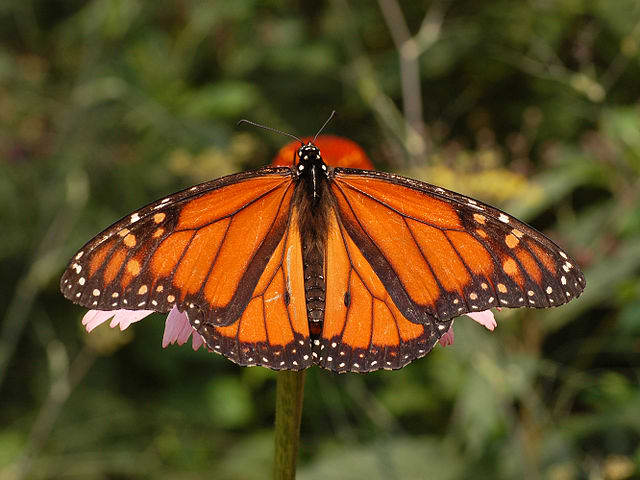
[533,106]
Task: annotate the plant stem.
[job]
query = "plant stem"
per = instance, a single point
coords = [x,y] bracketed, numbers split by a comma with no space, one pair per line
[289,396]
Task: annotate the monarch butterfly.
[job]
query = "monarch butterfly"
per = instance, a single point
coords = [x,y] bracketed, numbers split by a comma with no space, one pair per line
[310,262]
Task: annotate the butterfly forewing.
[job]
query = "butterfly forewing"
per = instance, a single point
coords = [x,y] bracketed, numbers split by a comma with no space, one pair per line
[191,249]
[449,254]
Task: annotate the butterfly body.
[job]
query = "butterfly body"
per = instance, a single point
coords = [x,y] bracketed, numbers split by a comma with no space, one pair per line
[303,264]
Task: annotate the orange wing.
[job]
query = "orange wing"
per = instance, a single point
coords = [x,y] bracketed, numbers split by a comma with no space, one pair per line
[203,249]
[363,328]
[440,254]
[273,330]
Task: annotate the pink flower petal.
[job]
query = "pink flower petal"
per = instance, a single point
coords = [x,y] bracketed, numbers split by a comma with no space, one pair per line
[172,326]
[178,329]
[124,318]
[447,338]
[485,319]
[94,318]
[198,341]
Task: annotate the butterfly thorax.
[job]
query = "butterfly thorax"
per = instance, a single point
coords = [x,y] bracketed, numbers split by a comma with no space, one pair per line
[313,201]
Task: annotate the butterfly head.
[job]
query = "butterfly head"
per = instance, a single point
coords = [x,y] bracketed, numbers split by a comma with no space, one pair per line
[311,169]
[310,161]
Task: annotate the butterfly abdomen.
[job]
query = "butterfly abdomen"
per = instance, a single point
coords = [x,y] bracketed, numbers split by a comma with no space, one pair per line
[313,201]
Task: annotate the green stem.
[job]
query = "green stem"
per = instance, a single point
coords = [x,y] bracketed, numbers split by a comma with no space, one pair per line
[289,395]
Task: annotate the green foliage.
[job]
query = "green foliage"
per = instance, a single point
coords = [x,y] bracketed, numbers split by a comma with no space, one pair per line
[106,105]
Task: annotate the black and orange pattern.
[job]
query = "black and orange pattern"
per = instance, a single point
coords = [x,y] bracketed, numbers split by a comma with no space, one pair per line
[401,258]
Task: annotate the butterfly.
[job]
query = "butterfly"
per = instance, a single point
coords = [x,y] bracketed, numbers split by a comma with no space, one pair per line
[312,262]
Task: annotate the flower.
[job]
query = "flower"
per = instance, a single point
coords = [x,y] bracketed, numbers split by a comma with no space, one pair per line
[486,319]
[178,329]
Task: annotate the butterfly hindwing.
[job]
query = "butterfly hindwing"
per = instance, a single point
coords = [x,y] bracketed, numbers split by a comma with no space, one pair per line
[363,329]
[443,254]
[273,329]
[190,249]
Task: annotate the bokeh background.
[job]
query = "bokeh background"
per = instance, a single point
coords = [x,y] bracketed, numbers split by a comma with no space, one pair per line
[532,106]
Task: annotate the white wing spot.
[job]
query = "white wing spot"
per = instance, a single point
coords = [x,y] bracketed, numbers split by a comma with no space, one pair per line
[96,292]
[135,217]
[503,218]
[79,255]
[563,255]
[563,279]
[549,290]
[81,280]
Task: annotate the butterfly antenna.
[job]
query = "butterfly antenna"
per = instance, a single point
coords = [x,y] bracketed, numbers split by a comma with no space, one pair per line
[270,129]
[325,124]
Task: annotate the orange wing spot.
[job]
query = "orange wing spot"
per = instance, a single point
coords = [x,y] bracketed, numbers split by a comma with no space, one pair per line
[228,200]
[142,290]
[244,237]
[511,268]
[278,327]
[357,331]
[124,232]
[388,230]
[229,331]
[405,200]
[385,331]
[159,217]
[130,240]
[168,253]
[114,265]
[444,260]
[409,330]
[502,288]
[99,257]
[481,232]
[195,263]
[517,233]
[252,324]
[481,219]
[158,233]
[544,257]
[511,241]
[133,268]
[475,256]
[529,264]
